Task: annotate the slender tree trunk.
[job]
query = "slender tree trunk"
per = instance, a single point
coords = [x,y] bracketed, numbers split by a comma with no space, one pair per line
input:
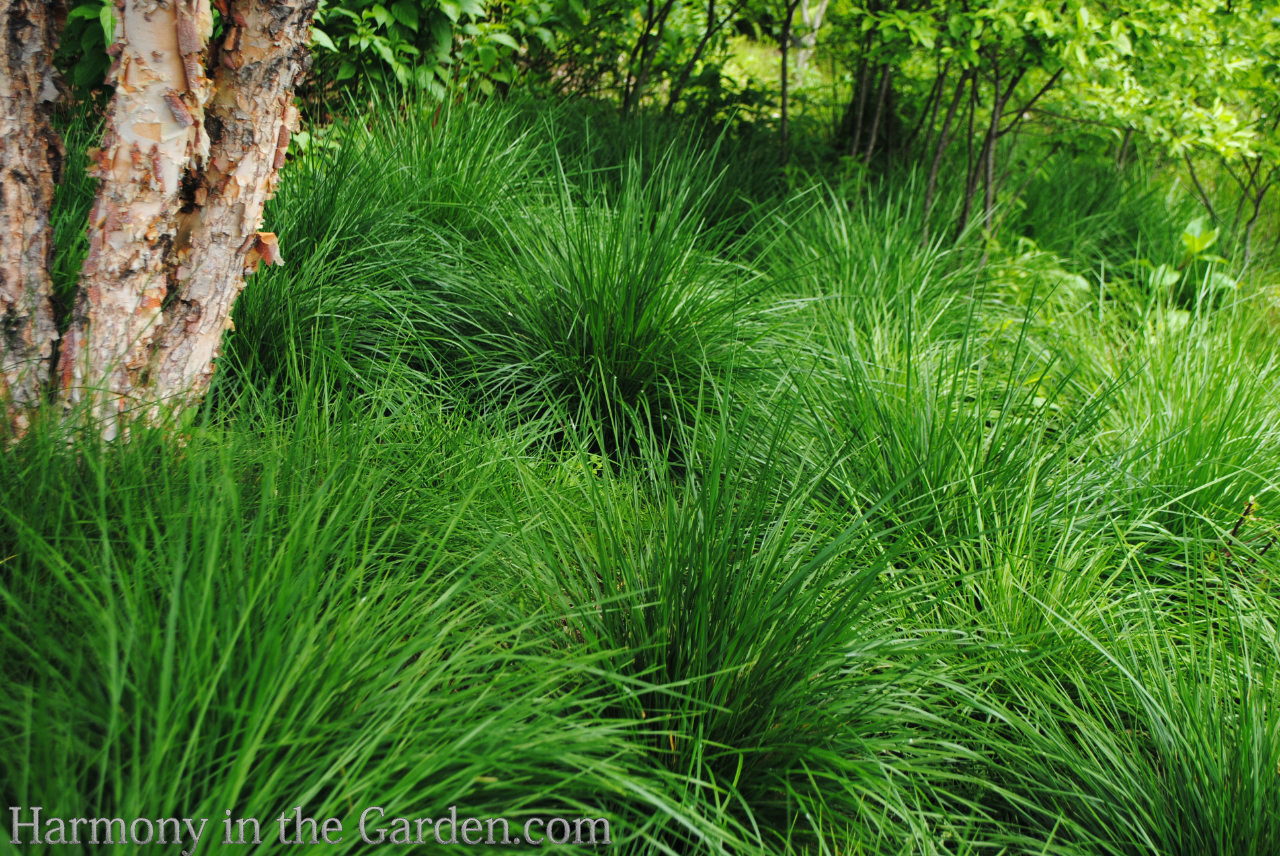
[859,102]
[250,120]
[30,165]
[1195,181]
[886,75]
[929,115]
[154,133]
[628,85]
[1252,224]
[682,79]
[1123,154]
[971,171]
[989,150]
[644,52]
[786,43]
[940,149]
[715,23]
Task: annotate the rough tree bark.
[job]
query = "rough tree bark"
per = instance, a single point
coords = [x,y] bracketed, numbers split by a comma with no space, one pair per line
[188,160]
[153,136]
[250,120]
[944,137]
[30,166]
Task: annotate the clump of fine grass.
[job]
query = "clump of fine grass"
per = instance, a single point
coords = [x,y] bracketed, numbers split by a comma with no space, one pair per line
[858,245]
[360,224]
[601,308]
[930,551]
[255,621]
[1196,432]
[924,385]
[592,138]
[784,707]
[1097,215]
[1176,751]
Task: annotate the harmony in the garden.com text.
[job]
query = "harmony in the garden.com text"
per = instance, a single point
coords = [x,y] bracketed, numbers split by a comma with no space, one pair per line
[374,825]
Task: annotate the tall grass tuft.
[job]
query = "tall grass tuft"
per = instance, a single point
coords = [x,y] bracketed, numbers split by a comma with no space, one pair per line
[362,221]
[601,308]
[1175,750]
[254,622]
[784,704]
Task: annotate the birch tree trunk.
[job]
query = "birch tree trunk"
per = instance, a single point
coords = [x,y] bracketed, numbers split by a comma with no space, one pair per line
[812,17]
[30,166]
[187,162]
[250,121]
[154,134]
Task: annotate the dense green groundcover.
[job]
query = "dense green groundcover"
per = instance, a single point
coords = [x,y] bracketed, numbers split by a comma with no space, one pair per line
[573,467]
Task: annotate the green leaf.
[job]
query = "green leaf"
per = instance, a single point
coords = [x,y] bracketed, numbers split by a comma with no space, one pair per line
[91,46]
[1198,237]
[504,39]
[451,10]
[88,73]
[1219,281]
[923,34]
[321,38]
[1165,277]
[381,15]
[406,13]
[108,20]
[441,35]
[86,11]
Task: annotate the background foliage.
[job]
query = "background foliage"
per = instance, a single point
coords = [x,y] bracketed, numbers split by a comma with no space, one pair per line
[978,91]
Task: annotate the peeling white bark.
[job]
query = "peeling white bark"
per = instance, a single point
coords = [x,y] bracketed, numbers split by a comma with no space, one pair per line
[250,118]
[30,165]
[154,134]
[186,166]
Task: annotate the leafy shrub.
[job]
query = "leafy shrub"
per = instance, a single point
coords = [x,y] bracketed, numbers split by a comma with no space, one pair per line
[82,50]
[423,44]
